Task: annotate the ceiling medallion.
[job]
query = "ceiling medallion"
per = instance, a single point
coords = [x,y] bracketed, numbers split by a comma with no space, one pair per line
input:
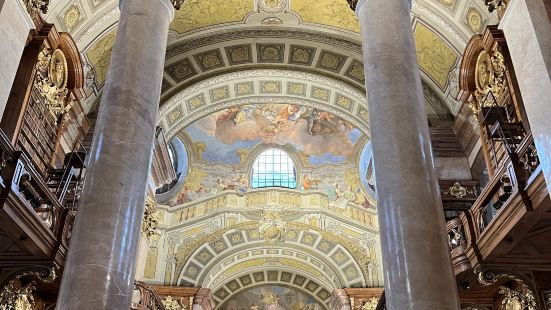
[474,20]
[71,17]
[272,6]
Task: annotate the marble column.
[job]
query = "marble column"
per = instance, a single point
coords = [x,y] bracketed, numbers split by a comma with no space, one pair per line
[416,257]
[527,28]
[99,272]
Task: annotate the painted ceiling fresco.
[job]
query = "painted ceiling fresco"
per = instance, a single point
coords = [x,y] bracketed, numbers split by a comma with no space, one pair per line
[320,137]
[271,298]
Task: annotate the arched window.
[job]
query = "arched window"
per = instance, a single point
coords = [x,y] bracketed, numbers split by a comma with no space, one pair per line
[273,167]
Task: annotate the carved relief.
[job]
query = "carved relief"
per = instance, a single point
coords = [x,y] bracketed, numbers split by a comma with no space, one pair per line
[18,293]
[327,12]
[474,20]
[490,77]
[434,55]
[51,80]
[72,17]
[195,14]
[100,56]
[515,295]
[272,6]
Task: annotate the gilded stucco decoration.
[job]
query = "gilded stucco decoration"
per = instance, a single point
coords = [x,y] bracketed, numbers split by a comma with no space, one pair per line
[195,14]
[516,294]
[99,56]
[327,12]
[51,80]
[474,20]
[272,227]
[448,3]
[97,3]
[72,17]
[490,79]
[272,6]
[171,303]
[436,58]
[370,304]
[150,221]
[18,292]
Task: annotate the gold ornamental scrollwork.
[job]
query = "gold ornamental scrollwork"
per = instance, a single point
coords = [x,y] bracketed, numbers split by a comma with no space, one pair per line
[18,293]
[483,70]
[369,304]
[150,222]
[58,69]
[520,296]
[51,80]
[490,79]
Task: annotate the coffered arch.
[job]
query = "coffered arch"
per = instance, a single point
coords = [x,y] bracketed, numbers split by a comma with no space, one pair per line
[343,263]
[284,258]
[263,86]
[250,280]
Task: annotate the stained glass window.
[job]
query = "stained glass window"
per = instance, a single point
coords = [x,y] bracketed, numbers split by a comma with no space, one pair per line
[273,167]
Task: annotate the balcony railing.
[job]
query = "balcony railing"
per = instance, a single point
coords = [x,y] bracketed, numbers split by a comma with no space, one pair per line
[30,198]
[509,182]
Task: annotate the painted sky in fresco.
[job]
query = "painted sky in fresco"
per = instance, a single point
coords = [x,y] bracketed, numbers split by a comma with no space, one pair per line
[322,137]
[271,298]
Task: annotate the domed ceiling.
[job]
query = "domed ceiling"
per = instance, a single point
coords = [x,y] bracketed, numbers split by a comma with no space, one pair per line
[209,37]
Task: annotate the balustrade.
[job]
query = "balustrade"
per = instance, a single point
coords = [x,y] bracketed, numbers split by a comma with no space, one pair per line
[511,180]
[26,189]
[144,297]
[147,297]
[508,180]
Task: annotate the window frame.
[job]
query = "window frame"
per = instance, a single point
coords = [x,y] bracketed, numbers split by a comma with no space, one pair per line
[261,179]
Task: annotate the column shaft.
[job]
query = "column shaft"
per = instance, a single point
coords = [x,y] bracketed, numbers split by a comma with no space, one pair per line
[416,258]
[527,28]
[99,273]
